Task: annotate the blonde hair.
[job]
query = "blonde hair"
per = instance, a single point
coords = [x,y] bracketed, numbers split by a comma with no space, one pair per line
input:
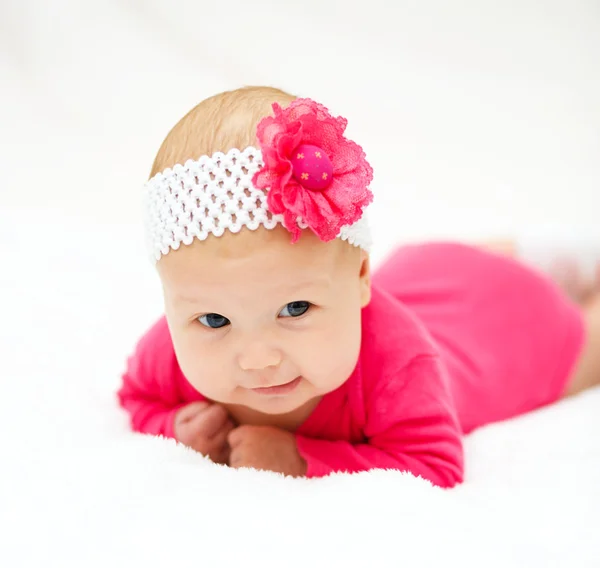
[219,123]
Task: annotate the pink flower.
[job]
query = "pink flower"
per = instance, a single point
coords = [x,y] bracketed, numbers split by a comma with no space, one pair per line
[311,170]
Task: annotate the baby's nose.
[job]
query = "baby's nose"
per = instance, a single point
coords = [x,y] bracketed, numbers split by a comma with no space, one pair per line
[258,355]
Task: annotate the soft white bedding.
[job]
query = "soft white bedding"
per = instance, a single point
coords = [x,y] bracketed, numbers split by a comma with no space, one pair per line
[78,488]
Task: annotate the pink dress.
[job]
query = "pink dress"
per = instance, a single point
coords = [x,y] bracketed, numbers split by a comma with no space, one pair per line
[453,338]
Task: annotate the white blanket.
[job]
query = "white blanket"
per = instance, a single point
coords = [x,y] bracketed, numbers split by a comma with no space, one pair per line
[78,488]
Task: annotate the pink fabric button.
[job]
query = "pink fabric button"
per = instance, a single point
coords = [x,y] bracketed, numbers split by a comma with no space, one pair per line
[312,167]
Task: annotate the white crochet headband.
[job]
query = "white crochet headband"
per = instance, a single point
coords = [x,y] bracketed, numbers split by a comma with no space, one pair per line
[237,189]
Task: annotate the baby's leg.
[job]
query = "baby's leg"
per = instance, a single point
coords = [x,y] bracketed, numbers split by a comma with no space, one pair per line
[587,370]
[577,272]
[582,286]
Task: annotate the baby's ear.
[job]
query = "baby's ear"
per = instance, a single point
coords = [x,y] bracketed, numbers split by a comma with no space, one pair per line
[365,279]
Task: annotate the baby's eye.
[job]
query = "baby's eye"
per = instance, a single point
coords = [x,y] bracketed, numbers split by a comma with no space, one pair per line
[294,309]
[214,321]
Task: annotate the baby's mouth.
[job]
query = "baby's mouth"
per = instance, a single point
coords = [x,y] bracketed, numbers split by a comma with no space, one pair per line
[283,389]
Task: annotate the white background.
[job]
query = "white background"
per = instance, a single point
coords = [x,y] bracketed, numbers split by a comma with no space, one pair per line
[481,118]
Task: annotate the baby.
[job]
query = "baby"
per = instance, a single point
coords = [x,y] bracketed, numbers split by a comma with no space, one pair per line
[279,350]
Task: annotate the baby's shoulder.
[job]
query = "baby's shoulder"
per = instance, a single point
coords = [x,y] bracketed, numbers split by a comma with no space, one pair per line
[396,351]
[158,336]
[392,335]
[155,351]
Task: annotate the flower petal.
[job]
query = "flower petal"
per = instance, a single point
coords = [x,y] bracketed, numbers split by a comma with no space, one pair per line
[325,211]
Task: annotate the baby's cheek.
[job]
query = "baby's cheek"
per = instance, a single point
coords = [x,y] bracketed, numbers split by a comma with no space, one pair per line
[333,357]
[205,370]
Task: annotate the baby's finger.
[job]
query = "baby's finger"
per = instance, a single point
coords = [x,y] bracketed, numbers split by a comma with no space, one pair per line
[226,428]
[210,421]
[219,448]
[237,458]
[186,413]
[221,456]
[233,457]
[225,452]
[220,437]
[236,436]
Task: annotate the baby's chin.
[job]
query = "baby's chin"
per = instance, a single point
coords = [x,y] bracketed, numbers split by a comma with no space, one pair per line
[277,406]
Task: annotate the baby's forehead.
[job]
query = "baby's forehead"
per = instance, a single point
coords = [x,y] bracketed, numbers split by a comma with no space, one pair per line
[247,256]
[268,244]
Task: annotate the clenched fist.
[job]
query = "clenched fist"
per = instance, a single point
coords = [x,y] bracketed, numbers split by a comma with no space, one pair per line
[267,448]
[204,426]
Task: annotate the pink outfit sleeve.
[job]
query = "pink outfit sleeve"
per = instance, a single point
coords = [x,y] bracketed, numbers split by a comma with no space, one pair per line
[149,392]
[411,425]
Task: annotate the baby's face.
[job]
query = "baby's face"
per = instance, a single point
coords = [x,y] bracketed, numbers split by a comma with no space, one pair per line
[259,322]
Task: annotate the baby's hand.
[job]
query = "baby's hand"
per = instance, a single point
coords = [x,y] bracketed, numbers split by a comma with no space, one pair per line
[204,426]
[267,448]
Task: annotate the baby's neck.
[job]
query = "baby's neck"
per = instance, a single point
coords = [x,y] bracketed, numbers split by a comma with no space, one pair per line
[290,421]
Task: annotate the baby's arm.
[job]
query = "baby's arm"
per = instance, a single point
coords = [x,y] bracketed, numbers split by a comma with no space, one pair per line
[149,392]
[411,426]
